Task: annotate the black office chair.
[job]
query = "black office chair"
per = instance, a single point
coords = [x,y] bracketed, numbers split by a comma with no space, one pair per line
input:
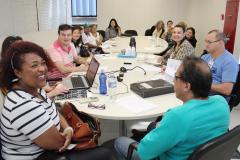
[235,95]
[219,148]
[102,32]
[148,32]
[131,32]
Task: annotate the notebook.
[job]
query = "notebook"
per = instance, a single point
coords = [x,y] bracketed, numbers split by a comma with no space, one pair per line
[152,88]
[83,81]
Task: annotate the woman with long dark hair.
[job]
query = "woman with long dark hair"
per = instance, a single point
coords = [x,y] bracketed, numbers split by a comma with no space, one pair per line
[113,30]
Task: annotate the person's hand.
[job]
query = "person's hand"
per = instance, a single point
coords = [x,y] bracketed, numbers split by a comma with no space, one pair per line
[60,89]
[160,59]
[67,133]
[162,69]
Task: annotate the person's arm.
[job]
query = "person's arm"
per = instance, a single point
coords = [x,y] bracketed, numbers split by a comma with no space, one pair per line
[223,88]
[228,77]
[119,31]
[50,139]
[67,132]
[37,125]
[54,91]
[64,69]
[161,139]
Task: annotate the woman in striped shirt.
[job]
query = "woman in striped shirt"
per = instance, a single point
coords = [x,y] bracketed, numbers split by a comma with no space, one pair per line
[30,123]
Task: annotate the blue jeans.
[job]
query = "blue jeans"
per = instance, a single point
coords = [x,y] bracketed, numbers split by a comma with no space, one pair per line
[121,146]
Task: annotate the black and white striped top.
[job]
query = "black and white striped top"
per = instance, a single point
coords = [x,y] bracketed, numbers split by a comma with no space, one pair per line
[23,119]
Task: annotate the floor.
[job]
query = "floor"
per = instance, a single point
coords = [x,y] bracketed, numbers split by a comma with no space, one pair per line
[110,128]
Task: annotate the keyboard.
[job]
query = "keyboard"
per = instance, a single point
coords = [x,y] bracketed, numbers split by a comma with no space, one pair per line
[77,82]
[73,94]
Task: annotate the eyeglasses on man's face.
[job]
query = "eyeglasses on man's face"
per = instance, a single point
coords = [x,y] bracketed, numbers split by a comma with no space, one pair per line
[101,107]
[210,42]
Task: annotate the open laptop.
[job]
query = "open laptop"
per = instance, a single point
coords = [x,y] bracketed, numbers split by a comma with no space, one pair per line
[83,81]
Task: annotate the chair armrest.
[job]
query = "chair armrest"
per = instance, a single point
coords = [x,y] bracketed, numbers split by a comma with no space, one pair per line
[133,146]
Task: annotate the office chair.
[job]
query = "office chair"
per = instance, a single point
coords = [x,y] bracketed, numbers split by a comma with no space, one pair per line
[219,148]
[131,32]
[148,32]
[235,95]
[102,32]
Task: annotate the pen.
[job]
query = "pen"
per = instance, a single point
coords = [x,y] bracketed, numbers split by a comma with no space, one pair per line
[127,63]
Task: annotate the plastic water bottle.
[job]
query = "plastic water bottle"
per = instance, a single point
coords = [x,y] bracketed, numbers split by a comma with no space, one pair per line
[112,86]
[133,52]
[102,82]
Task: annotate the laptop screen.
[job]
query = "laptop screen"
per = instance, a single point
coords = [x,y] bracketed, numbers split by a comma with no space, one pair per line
[92,71]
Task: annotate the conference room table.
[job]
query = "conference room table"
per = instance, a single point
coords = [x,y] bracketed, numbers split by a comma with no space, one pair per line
[127,105]
[144,44]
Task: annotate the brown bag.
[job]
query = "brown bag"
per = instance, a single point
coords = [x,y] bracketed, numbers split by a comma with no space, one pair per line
[86,129]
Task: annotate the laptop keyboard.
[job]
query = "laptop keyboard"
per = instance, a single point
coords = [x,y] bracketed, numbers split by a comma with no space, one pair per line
[77,82]
[73,94]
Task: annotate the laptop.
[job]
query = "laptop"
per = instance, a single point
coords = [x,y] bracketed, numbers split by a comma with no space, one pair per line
[83,81]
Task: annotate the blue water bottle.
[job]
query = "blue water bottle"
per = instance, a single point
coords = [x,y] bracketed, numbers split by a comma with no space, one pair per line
[102,82]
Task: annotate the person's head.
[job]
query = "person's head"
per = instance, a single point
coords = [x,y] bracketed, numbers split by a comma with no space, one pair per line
[94,28]
[76,33]
[190,32]
[193,79]
[169,24]
[25,64]
[8,41]
[65,34]
[183,24]
[178,33]
[215,41]
[87,28]
[113,23]
[160,25]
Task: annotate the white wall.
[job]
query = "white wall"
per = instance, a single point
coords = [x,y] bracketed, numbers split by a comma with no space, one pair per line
[17,16]
[205,15]
[237,39]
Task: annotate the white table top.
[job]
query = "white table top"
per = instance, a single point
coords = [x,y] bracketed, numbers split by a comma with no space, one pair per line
[115,111]
[144,44]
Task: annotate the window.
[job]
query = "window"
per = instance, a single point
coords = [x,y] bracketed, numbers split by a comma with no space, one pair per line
[84,8]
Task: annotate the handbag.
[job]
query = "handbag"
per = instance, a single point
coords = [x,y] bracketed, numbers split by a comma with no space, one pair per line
[84,52]
[86,128]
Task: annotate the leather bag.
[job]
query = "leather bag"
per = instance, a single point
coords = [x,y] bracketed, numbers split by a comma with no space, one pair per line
[86,128]
[84,52]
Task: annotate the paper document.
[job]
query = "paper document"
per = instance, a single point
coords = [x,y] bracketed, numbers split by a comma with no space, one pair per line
[135,104]
[172,66]
[71,146]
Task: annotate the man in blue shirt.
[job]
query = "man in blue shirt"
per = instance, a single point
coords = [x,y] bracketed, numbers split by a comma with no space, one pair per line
[183,128]
[224,66]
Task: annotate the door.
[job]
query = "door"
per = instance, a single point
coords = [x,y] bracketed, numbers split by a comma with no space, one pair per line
[230,23]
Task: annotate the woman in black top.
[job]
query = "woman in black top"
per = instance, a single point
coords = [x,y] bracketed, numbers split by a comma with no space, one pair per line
[190,36]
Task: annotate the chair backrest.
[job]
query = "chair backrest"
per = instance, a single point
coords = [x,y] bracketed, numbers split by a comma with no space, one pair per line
[102,32]
[220,148]
[148,32]
[235,95]
[131,32]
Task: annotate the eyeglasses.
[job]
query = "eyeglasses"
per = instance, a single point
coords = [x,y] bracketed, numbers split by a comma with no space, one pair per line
[210,42]
[101,107]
